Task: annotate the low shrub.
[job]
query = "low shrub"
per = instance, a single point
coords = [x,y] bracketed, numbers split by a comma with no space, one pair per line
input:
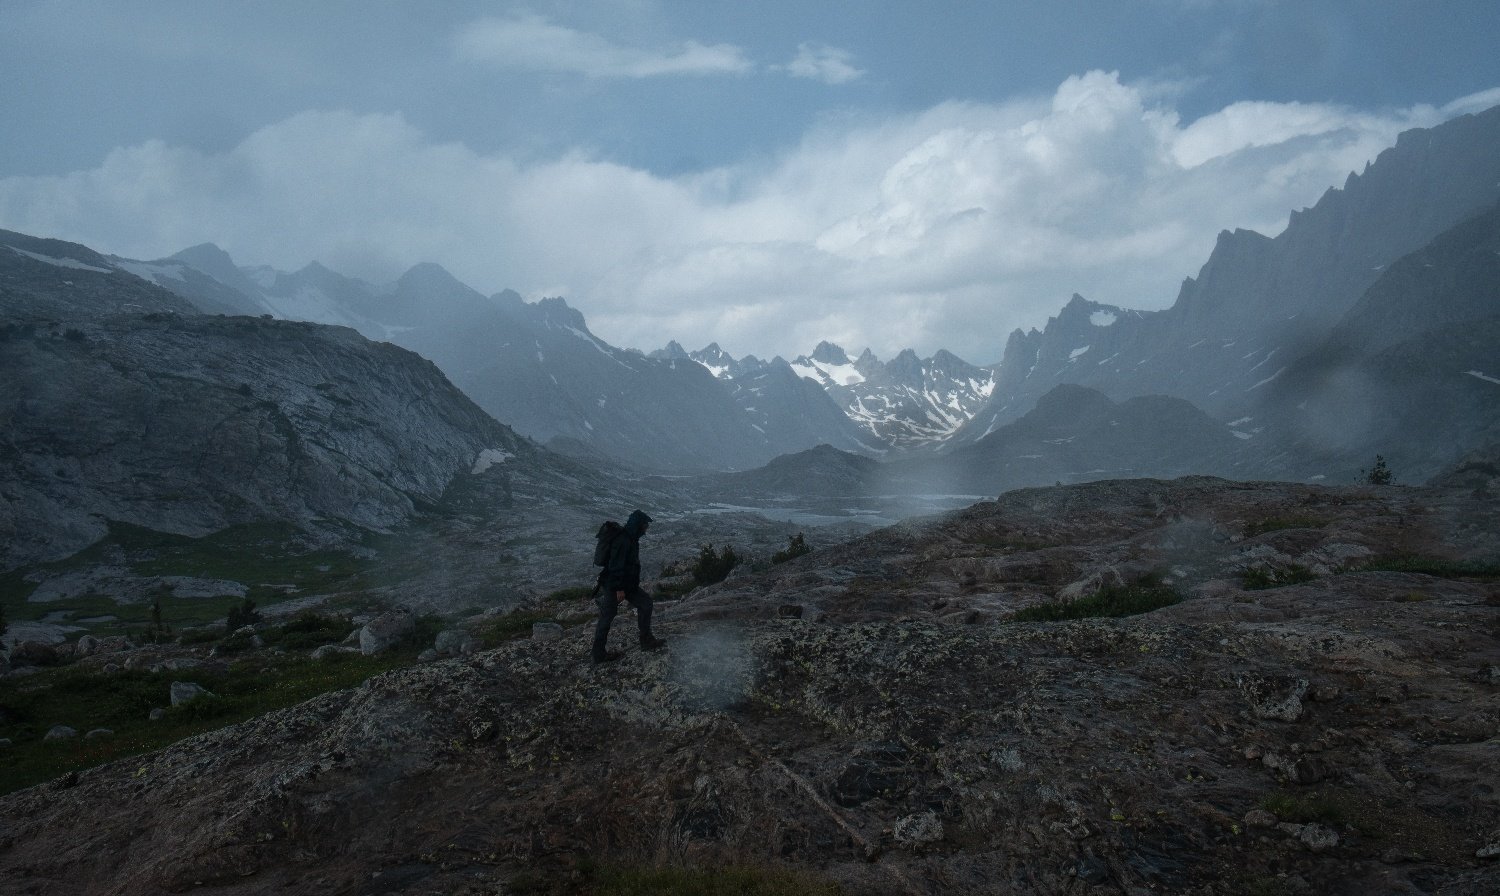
[713,566]
[796,546]
[1259,578]
[310,629]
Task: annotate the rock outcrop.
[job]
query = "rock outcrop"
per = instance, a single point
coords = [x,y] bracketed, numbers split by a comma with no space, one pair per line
[1331,735]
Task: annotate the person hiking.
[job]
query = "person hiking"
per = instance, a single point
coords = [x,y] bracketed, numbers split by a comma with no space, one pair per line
[621,581]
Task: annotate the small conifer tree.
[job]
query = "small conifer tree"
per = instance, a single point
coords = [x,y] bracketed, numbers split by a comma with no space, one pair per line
[796,546]
[1380,474]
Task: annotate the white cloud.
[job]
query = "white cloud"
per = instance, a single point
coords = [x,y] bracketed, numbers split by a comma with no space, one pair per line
[946,228]
[532,42]
[822,63]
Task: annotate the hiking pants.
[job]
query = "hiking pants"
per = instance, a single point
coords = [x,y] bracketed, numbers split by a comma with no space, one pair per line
[608,607]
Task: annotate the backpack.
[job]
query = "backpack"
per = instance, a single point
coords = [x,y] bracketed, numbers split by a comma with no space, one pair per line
[602,543]
[604,539]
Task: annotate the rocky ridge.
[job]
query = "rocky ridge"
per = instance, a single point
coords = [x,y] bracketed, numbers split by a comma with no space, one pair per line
[867,713]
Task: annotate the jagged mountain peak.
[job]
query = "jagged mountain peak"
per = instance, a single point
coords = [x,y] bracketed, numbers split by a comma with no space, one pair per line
[556,310]
[829,353]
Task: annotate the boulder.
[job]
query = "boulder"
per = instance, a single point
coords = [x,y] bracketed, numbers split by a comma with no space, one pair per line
[186,692]
[88,645]
[454,642]
[386,631]
[97,733]
[331,651]
[60,732]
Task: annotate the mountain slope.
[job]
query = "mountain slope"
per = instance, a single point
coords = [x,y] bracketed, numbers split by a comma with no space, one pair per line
[535,366]
[121,404]
[1259,303]
[1411,372]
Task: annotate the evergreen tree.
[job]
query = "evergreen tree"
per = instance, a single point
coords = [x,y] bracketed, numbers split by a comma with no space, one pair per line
[1379,474]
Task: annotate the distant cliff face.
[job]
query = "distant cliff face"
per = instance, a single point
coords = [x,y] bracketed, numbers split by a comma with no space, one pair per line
[1259,303]
[116,407]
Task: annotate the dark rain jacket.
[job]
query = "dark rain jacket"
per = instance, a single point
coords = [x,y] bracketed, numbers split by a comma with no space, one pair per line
[622,571]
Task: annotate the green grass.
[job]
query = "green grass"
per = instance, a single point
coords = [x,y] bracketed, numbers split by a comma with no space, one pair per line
[1279,523]
[518,623]
[1306,809]
[1128,600]
[1259,578]
[565,595]
[86,699]
[675,880]
[270,559]
[1432,566]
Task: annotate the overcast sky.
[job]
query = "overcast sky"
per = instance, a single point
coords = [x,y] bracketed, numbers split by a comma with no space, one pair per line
[763,175]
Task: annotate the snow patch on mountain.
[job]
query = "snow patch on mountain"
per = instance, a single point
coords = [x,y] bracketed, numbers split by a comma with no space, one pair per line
[53,260]
[825,374]
[489,457]
[152,273]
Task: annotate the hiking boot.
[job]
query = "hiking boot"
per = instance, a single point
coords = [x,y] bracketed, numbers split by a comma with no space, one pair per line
[608,657]
[652,643]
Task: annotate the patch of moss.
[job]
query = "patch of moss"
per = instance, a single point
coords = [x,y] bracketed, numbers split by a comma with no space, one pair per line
[1127,600]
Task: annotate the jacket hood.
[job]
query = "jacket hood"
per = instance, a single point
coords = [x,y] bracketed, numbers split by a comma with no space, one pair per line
[636,522]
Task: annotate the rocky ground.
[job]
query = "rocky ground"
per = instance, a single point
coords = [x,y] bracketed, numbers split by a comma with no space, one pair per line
[871,713]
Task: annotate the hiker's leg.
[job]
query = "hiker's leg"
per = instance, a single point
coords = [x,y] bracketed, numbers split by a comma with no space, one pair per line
[608,606]
[643,606]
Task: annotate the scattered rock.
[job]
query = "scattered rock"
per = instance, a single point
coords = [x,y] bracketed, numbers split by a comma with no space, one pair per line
[1260,818]
[88,645]
[331,651]
[4,742]
[1318,838]
[1325,693]
[546,631]
[789,611]
[60,732]
[386,631]
[1276,698]
[918,830]
[186,692]
[427,656]
[1092,870]
[454,642]
[157,713]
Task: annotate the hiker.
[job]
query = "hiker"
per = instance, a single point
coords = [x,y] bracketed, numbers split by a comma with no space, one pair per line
[621,581]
